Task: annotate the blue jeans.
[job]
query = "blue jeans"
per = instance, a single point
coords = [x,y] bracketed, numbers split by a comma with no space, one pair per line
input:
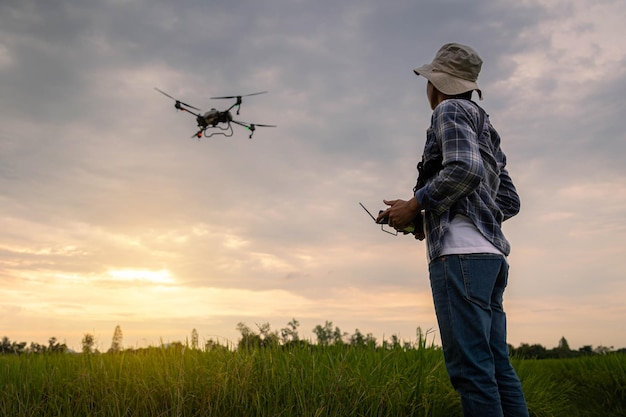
[467,293]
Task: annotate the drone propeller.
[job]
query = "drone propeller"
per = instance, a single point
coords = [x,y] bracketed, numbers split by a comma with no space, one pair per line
[253,125]
[178,102]
[239,97]
[238,102]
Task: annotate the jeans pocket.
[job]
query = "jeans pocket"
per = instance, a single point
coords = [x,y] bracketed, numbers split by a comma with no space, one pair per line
[480,273]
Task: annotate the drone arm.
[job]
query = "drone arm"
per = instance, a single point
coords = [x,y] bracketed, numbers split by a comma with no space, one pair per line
[241,124]
[179,104]
[187,110]
[236,104]
[250,127]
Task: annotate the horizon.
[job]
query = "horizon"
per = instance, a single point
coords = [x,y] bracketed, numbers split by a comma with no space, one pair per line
[428,335]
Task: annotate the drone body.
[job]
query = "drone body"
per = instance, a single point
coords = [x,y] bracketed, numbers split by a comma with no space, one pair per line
[214,121]
[213,118]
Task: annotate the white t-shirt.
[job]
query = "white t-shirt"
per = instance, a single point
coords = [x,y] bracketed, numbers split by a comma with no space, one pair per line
[463,237]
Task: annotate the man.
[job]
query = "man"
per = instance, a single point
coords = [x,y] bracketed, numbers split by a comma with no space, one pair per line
[465,199]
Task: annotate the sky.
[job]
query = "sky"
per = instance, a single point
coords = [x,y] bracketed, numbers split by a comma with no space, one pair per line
[111,214]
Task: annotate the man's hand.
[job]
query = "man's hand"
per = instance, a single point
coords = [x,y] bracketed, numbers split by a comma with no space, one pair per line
[400,212]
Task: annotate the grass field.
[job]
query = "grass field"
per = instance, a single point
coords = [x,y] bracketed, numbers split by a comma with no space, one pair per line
[295,381]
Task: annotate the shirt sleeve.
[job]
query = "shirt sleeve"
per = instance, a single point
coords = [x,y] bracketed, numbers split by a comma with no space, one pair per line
[507,199]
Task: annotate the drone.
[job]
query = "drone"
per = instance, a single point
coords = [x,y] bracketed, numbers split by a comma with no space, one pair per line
[215,122]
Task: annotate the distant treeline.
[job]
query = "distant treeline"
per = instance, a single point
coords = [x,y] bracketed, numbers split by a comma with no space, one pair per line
[8,347]
[536,351]
[326,335]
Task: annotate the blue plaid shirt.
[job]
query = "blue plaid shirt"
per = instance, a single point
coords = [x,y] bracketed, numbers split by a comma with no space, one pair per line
[473,181]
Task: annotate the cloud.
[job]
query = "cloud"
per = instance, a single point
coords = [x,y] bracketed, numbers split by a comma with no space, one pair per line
[98,172]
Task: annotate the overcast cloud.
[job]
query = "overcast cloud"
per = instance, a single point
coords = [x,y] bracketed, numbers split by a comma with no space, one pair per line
[111,214]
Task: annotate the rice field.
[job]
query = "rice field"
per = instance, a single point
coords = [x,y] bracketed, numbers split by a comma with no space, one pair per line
[299,380]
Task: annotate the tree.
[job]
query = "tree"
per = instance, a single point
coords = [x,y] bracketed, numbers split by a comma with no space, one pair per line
[265,338]
[360,340]
[194,339]
[248,338]
[268,337]
[36,348]
[326,335]
[337,336]
[6,346]
[56,347]
[88,342]
[290,334]
[357,339]
[562,350]
[323,334]
[116,342]
[212,345]
[603,350]
[527,351]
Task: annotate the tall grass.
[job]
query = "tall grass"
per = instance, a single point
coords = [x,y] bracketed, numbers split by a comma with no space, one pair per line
[280,381]
[589,386]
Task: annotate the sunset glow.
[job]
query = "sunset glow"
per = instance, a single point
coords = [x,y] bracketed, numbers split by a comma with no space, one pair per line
[156,277]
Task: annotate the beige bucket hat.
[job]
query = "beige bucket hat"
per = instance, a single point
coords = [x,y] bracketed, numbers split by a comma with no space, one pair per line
[454,70]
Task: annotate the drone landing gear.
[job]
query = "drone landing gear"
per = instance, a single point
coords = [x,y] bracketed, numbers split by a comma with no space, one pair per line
[214,130]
